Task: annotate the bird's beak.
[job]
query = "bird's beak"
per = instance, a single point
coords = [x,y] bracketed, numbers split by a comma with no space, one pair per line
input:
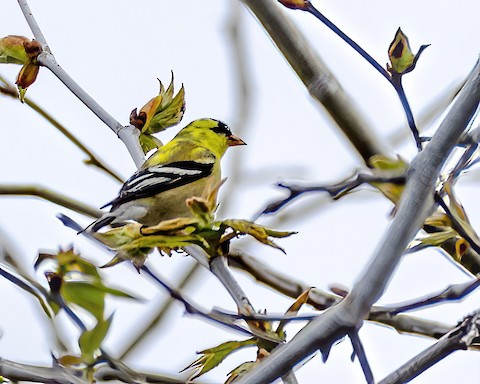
[233,140]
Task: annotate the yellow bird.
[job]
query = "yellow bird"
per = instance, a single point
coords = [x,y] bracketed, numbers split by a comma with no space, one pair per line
[180,169]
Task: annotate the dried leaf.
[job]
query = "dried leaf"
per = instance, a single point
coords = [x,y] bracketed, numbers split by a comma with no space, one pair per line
[461,247]
[293,310]
[26,77]
[295,4]
[69,360]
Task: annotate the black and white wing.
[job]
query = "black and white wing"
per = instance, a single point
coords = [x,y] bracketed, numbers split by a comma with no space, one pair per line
[160,178]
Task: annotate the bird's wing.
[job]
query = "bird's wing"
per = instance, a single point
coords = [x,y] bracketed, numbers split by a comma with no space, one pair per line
[160,178]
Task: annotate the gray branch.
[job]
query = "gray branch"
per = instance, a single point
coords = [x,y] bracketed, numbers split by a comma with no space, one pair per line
[414,207]
[316,76]
[459,338]
[51,375]
[322,300]
[128,134]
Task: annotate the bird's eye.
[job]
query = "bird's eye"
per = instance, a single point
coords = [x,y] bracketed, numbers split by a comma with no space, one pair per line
[222,128]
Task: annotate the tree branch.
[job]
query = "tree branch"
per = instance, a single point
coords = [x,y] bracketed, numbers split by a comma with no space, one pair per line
[415,205]
[322,300]
[49,375]
[459,338]
[128,134]
[317,78]
[9,90]
[157,319]
[52,196]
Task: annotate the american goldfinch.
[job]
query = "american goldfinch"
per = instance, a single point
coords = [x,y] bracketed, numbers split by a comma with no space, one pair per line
[180,169]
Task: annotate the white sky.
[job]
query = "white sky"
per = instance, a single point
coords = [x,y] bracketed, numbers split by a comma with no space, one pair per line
[117,49]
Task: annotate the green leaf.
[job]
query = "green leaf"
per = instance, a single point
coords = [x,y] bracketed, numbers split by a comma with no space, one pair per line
[387,167]
[384,163]
[402,59]
[435,239]
[91,340]
[90,295]
[12,50]
[160,112]
[68,261]
[259,232]
[168,114]
[85,295]
[149,142]
[212,357]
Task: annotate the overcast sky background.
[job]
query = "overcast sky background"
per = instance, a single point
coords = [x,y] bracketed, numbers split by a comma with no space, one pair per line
[117,49]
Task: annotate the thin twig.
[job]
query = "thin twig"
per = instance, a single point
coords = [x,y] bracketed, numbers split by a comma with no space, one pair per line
[128,134]
[359,351]
[414,207]
[322,300]
[317,78]
[158,318]
[32,373]
[428,114]
[335,191]
[32,23]
[52,196]
[11,91]
[218,266]
[459,338]
[105,373]
[452,292]
[395,80]
[192,309]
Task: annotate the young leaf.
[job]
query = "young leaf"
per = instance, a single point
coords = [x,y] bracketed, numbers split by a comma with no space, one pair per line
[387,167]
[160,112]
[85,295]
[259,232]
[12,50]
[212,357]
[149,142]
[399,53]
[169,113]
[91,340]
[435,239]
[401,57]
